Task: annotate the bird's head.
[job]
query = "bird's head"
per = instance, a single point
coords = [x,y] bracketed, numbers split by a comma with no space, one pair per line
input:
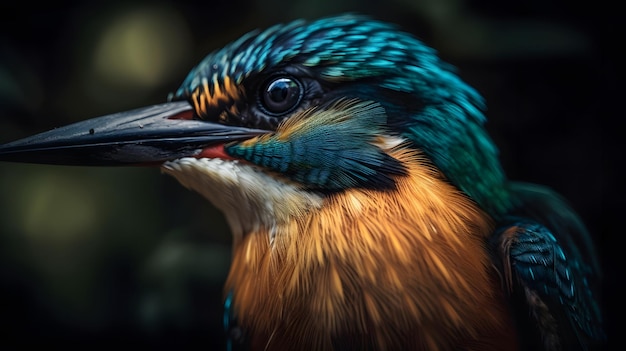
[282,118]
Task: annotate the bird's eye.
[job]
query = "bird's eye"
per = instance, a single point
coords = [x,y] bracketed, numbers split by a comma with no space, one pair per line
[281,95]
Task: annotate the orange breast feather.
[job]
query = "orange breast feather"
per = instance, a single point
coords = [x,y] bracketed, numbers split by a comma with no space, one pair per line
[403,269]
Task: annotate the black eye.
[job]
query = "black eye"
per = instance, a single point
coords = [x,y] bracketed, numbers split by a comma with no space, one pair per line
[281,94]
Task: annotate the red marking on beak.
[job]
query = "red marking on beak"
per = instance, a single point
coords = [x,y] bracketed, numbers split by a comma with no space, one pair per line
[188,115]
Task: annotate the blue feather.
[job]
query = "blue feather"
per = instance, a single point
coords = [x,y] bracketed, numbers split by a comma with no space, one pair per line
[333,151]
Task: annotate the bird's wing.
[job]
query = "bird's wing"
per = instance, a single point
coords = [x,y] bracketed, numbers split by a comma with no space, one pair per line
[549,274]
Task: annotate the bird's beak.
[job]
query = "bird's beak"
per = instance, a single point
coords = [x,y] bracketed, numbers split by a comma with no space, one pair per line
[149,135]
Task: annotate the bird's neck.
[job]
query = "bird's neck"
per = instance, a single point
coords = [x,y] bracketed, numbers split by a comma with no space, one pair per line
[251,200]
[372,267]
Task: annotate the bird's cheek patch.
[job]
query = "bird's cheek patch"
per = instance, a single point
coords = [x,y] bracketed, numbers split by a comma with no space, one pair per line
[330,149]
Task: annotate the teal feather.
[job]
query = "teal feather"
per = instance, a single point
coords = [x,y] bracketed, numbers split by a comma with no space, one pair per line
[334,150]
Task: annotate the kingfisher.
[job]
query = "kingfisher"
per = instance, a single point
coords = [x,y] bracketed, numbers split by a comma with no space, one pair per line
[366,201]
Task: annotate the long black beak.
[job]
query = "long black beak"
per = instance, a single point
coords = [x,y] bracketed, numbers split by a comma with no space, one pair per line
[149,135]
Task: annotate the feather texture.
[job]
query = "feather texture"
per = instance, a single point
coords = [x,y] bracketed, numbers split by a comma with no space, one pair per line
[352,272]
[330,149]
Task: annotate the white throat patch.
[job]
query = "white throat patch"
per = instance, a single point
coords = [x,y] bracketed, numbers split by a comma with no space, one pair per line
[250,198]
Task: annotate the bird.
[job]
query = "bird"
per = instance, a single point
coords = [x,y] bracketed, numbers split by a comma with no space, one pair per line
[368,206]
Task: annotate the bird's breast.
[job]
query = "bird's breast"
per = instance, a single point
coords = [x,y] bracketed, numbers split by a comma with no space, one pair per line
[397,269]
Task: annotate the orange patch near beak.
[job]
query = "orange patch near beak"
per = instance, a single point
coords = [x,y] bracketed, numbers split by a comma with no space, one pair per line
[215,151]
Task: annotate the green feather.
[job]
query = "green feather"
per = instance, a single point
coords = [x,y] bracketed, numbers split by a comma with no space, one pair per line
[329,149]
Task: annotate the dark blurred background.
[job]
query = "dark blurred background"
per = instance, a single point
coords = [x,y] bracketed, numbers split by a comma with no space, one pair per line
[126,256]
